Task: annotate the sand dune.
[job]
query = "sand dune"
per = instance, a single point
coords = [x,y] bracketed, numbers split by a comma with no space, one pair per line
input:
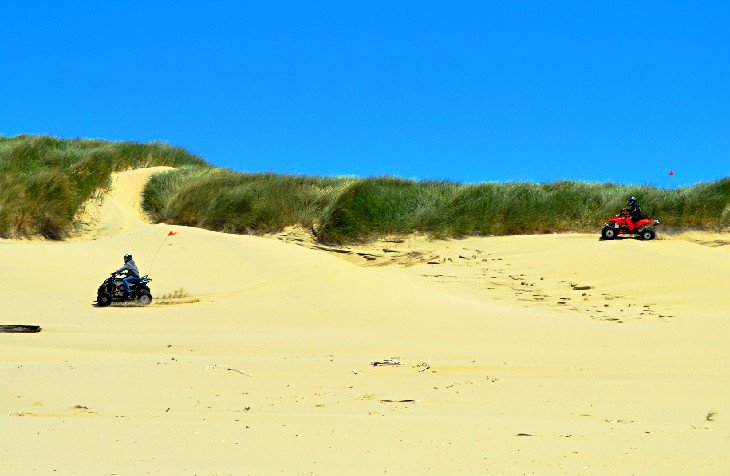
[118,211]
[605,356]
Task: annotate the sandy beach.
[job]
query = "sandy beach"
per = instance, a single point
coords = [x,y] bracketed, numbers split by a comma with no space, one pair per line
[545,354]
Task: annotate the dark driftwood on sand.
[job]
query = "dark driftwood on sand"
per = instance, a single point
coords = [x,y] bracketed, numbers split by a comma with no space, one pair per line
[15,328]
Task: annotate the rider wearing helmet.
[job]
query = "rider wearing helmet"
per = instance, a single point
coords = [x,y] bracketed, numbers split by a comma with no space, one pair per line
[132,273]
[634,210]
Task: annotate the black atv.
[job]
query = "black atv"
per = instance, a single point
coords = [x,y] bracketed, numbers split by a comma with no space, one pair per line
[112,290]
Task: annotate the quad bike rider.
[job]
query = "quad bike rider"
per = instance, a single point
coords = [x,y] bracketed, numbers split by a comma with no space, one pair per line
[131,288]
[630,221]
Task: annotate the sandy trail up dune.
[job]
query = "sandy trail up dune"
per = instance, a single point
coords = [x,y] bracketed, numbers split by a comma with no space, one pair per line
[149,390]
[119,210]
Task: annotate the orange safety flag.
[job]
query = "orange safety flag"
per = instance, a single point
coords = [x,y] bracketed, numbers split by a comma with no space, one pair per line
[171,233]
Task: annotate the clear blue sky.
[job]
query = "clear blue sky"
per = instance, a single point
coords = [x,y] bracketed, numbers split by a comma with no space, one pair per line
[619,91]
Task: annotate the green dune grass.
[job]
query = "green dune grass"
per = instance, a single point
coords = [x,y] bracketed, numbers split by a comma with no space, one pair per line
[224,200]
[375,207]
[45,180]
[346,210]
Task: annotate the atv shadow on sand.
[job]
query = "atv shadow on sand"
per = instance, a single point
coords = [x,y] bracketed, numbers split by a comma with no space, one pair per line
[622,237]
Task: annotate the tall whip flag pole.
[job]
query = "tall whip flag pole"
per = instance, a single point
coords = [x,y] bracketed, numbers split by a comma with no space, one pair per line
[159,248]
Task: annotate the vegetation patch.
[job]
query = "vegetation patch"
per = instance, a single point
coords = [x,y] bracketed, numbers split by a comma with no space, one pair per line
[45,180]
[224,200]
[348,210]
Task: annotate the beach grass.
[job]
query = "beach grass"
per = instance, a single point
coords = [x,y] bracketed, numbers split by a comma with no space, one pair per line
[45,180]
[224,200]
[348,210]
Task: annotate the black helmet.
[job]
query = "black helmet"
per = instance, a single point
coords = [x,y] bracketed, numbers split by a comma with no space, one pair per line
[631,200]
[127,257]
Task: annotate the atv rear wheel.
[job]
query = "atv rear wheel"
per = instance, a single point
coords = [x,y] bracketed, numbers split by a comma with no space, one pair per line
[648,234]
[103,299]
[144,298]
[609,233]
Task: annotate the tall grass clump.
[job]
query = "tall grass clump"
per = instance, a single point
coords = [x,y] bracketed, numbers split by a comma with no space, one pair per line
[45,180]
[224,200]
[376,207]
[346,210]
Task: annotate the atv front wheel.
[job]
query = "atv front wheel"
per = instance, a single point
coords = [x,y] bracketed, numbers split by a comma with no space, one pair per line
[648,234]
[103,299]
[144,298]
[609,233]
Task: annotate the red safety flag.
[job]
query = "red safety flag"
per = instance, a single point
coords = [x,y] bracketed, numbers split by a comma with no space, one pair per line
[171,233]
[671,172]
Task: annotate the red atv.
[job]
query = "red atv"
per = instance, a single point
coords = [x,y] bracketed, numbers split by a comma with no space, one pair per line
[622,224]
